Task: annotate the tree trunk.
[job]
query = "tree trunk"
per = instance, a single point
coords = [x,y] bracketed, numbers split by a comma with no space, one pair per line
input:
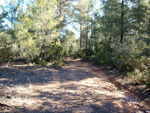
[80,36]
[95,40]
[110,38]
[87,42]
[122,23]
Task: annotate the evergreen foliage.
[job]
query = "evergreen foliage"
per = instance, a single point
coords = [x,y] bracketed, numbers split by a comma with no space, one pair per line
[117,33]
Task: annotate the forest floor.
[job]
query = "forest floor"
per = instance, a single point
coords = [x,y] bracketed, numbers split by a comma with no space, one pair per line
[78,87]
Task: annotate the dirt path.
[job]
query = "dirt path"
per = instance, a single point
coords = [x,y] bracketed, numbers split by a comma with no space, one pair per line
[76,88]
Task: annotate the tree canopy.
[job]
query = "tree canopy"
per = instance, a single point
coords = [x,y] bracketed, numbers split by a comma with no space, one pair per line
[116,33]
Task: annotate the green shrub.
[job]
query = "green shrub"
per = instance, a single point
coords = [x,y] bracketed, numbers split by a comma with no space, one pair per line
[133,57]
[83,54]
[6,44]
[55,53]
[43,63]
[104,53]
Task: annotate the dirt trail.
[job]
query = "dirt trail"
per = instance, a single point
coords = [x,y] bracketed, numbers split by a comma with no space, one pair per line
[78,87]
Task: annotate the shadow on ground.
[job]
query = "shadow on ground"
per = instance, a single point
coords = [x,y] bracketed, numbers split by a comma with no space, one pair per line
[71,89]
[67,99]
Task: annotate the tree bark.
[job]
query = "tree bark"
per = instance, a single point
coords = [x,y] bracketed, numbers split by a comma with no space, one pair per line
[122,23]
[110,38]
[87,42]
[80,36]
[95,40]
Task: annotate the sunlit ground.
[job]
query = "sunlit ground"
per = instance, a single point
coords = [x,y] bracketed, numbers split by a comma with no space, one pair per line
[74,88]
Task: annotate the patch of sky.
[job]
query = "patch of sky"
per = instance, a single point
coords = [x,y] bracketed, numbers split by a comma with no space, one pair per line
[73,26]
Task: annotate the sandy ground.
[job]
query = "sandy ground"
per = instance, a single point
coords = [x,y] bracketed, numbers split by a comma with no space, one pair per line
[77,87]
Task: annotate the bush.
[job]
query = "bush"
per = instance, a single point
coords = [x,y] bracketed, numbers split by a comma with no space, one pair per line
[28,48]
[83,54]
[6,51]
[124,56]
[128,57]
[43,63]
[104,53]
[55,52]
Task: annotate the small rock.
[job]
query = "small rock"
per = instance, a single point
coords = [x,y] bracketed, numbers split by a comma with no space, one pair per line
[13,73]
[11,81]
[147,101]
[147,111]
[8,96]
[3,105]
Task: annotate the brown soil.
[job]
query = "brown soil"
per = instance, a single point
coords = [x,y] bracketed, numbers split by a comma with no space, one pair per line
[78,87]
[121,80]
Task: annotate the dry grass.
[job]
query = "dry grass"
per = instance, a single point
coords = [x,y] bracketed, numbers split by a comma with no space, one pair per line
[76,88]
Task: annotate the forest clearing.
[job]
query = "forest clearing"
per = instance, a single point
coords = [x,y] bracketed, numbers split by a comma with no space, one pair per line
[74,88]
[75,56]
